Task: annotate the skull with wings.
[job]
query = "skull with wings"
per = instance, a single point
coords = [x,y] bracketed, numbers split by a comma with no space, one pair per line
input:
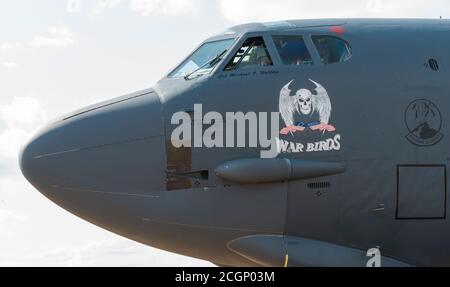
[305,102]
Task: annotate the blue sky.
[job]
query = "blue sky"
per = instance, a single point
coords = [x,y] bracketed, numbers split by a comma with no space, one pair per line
[57,56]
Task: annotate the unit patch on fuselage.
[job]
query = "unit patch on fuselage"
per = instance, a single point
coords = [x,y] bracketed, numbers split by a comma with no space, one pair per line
[424,122]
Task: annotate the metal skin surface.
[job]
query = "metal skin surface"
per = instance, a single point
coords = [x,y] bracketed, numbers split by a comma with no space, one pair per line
[112,164]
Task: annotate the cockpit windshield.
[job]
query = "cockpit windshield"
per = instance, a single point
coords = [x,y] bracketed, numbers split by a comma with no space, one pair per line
[203,60]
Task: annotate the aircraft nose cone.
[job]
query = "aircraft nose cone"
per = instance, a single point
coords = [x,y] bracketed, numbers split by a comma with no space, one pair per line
[29,165]
[114,148]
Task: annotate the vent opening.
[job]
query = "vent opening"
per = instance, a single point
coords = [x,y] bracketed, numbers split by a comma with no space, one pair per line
[319,185]
[433,64]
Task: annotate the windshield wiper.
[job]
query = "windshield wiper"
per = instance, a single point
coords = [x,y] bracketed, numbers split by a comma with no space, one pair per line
[211,63]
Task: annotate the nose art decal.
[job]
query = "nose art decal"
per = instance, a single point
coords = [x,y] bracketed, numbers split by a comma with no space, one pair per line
[305,103]
[307,115]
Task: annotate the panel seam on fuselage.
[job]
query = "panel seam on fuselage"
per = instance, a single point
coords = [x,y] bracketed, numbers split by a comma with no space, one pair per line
[107,105]
[94,147]
[104,192]
[211,227]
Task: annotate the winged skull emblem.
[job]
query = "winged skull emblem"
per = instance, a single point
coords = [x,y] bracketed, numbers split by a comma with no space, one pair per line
[304,102]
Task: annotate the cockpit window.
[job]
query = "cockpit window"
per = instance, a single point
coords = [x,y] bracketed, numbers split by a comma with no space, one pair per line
[202,61]
[332,49]
[253,53]
[293,50]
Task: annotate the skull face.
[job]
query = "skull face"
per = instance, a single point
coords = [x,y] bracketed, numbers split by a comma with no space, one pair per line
[304,101]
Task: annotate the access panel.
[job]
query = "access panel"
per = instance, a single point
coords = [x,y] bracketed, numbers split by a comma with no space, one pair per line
[422,192]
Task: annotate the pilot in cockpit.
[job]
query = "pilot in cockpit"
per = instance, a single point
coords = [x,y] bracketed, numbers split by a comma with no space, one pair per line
[293,52]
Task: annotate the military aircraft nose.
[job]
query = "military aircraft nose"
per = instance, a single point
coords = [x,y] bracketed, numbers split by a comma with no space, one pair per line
[28,164]
[114,148]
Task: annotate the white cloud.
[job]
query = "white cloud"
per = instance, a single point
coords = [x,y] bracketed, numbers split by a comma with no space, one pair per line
[18,119]
[238,11]
[115,252]
[56,37]
[9,46]
[165,7]
[101,5]
[156,8]
[10,65]
[22,112]
[12,185]
[10,142]
[9,220]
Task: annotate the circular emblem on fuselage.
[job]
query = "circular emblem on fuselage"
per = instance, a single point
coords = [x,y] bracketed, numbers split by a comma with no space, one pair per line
[424,122]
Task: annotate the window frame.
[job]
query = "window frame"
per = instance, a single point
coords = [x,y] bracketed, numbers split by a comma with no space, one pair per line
[273,51]
[320,63]
[238,44]
[238,66]
[306,35]
[212,72]
[306,38]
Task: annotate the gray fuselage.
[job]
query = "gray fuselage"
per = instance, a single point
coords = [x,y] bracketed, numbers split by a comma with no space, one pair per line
[382,183]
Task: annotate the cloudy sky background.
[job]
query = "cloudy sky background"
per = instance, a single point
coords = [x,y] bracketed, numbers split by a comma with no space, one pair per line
[57,56]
